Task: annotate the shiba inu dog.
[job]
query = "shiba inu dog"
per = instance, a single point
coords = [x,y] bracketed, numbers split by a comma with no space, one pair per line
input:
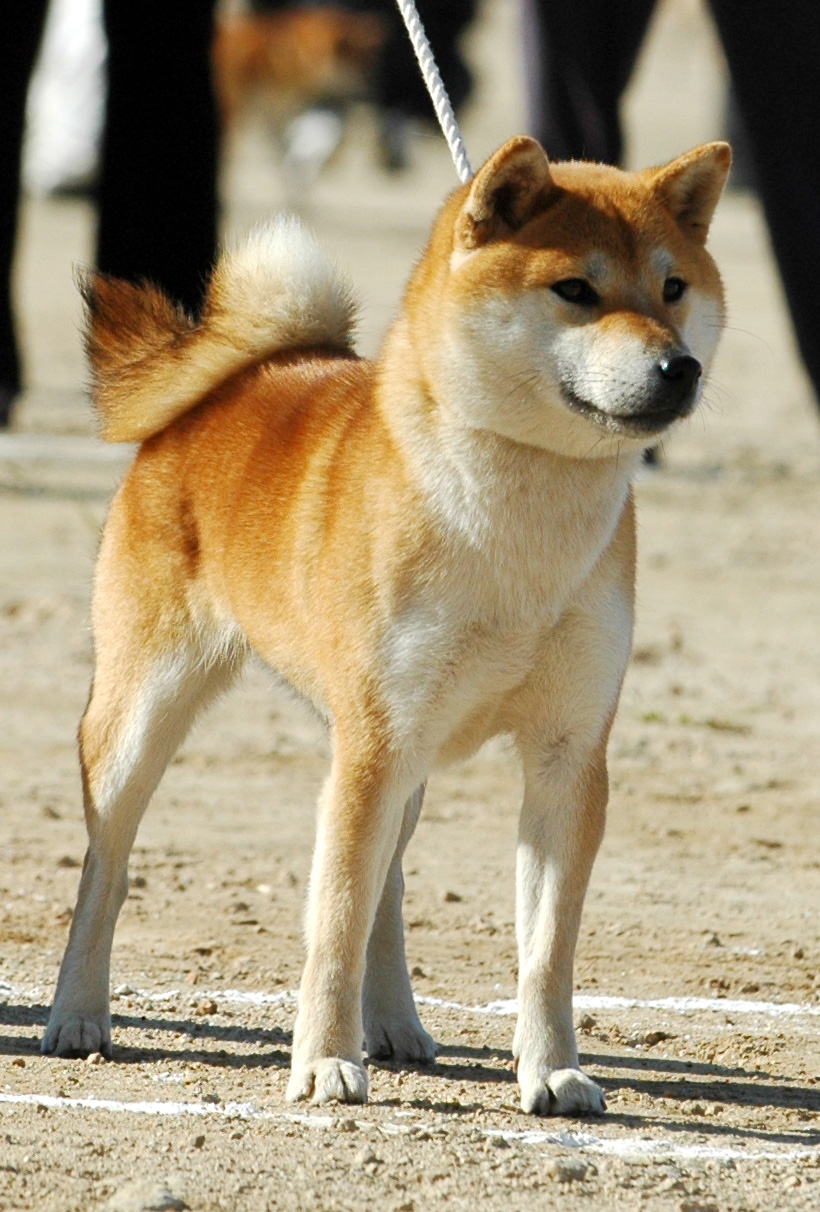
[433,548]
[287,59]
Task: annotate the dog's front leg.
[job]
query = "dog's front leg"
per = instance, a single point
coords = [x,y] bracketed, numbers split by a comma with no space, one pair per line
[562,822]
[391,1024]
[563,717]
[360,820]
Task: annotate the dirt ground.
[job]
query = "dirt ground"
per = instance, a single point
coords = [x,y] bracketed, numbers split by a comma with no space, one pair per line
[702,916]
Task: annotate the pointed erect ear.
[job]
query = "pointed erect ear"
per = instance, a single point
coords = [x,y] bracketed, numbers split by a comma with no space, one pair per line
[691,185]
[506,192]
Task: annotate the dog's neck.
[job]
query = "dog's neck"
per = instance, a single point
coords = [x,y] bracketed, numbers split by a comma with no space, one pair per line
[523,511]
[472,471]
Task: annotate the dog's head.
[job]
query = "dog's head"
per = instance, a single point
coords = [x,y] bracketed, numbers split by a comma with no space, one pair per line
[573,306]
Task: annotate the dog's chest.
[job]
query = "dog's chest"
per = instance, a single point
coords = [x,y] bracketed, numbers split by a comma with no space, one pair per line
[477,628]
[440,667]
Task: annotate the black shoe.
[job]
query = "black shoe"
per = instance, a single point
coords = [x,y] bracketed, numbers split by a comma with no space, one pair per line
[7,397]
[395,133]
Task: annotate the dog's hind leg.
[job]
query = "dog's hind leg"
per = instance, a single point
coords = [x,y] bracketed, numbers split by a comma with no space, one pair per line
[134,722]
[153,672]
[392,1028]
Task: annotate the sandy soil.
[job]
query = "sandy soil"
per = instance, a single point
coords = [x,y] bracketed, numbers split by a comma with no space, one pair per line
[706,888]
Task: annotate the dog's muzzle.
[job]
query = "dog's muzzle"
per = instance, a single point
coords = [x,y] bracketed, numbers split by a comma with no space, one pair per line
[670,394]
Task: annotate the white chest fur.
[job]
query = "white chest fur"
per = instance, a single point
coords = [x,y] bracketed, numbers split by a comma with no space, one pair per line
[523,532]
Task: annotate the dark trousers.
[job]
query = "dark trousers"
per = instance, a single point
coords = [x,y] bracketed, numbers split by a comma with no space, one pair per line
[158,177]
[397,82]
[21,27]
[585,51]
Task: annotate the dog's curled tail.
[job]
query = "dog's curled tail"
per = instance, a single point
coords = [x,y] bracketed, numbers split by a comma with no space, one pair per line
[151,362]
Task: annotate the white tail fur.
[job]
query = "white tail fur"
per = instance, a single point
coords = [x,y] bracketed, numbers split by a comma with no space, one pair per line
[274,292]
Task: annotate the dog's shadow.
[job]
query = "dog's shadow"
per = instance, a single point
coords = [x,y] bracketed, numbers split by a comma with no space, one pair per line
[190,1029]
[659,1078]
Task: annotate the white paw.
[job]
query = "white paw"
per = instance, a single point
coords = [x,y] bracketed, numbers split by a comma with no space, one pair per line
[77,1034]
[562,1092]
[400,1039]
[329,1080]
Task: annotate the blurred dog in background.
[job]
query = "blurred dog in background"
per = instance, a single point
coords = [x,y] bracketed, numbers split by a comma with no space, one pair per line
[297,68]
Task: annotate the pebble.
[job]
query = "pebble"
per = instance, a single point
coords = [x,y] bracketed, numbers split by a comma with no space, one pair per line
[566,1169]
[145,1196]
[655,1037]
[95,1058]
[671,1184]
[365,1157]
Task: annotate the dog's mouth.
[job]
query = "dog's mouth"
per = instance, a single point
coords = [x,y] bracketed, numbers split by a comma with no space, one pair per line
[648,421]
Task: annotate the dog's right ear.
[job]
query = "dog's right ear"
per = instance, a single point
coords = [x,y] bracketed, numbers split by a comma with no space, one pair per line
[506,192]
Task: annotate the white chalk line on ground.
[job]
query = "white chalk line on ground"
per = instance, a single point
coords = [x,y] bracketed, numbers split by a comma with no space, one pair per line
[675,1005]
[636,1148]
[509,1006]
[503,1007]
[626,1149]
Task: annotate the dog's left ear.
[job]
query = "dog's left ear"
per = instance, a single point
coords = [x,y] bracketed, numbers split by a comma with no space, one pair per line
[506,192]
[690,186]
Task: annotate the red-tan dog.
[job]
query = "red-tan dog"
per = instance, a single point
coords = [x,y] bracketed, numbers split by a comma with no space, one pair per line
[433,548]
[286,60]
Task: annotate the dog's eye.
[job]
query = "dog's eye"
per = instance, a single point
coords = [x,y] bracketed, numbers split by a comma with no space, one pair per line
[576,290]
[673,289]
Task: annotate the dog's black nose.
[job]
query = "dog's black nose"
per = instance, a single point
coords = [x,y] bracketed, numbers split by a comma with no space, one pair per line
[681,372]
[672,393]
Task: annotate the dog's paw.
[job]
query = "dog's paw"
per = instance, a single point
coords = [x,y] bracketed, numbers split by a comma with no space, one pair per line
[563,1092]
[329,1080]
[401,1040]
[77,1035]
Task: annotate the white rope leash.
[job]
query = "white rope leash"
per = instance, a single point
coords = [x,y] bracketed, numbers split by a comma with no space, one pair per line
[436,89]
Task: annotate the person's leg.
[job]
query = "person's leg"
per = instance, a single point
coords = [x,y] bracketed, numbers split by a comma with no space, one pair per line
[21,27]
[158,187]
[581,56]
[773,53]
[398,86]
